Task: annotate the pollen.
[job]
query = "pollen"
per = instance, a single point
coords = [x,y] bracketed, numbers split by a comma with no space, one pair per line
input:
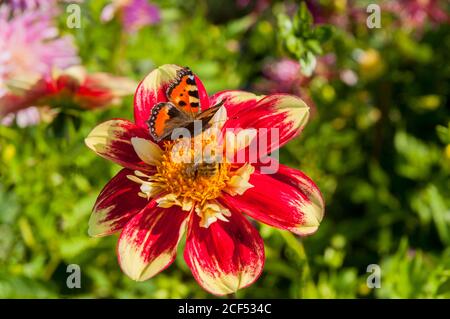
[189,178]
[191,173]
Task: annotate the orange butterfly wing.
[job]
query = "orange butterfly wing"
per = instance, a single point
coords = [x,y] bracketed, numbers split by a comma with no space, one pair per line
[183,93]
[164,119]
[181,110]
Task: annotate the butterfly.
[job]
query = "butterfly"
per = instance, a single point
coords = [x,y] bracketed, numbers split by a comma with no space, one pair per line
[182,109]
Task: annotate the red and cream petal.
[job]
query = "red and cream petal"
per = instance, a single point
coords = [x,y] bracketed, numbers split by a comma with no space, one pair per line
[226,256]
[149,241]
[102,89]
[112,140]
[117,203]
[278,118]
[287,200]
[152,90]
[236,101]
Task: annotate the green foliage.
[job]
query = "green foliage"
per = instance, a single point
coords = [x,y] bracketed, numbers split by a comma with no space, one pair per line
[379,150]
[412,274]
[301,39]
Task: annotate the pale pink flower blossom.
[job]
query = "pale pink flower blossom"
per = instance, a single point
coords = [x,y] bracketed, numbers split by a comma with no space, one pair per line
[133,14]
[30,47]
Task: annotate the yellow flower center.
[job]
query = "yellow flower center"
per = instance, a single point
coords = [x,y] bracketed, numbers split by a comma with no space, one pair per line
[197,181]
[192,174]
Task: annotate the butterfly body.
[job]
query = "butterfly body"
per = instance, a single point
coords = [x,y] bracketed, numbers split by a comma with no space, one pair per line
[182,109]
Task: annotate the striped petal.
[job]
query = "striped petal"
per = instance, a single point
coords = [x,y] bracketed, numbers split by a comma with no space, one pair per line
[236,101]
[102,89]
[277,117]
[287,200]
[152,90]
[226,256]
[149,241]
[117,203]
[112,140]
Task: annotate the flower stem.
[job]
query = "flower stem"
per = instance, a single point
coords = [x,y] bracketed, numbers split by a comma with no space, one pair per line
[297,246]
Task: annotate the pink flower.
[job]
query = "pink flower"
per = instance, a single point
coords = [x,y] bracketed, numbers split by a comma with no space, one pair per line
[343,14]
[256,5]
[414,14]
[26,117]
[284,70]
[38,4]
[155,199]
[29,48]
[134,14]
[31,4]
[285,76]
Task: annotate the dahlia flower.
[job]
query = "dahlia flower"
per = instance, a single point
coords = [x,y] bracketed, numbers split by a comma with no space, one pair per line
[31,4]
[285,76]
[70,88]
[134,14]
[415,14]
[342,14]
[38,4]
[29,49]
[156,198]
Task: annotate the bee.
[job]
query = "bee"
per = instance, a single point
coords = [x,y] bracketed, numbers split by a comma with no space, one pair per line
[203,169]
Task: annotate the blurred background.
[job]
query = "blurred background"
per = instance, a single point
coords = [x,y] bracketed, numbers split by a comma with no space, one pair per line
[377,144]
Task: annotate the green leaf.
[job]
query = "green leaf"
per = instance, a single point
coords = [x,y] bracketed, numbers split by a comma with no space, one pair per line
[302,20]
[443,133]
[308,64]
[323,33]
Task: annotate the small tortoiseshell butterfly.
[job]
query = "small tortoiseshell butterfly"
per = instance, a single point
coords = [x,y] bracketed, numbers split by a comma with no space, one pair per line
[182,109]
